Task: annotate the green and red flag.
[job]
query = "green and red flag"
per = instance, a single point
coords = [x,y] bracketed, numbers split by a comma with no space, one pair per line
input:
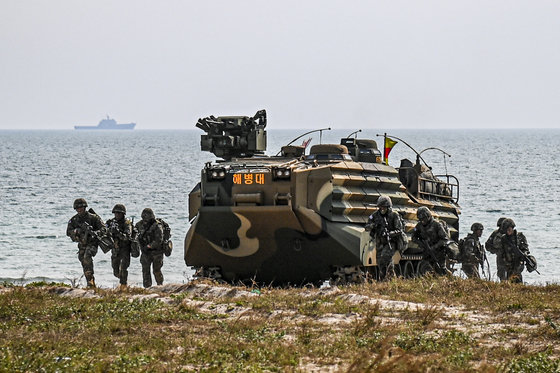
[389,143]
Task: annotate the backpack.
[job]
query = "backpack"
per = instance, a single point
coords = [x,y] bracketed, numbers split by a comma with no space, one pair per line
[461,246]
[167,245]
[490,243]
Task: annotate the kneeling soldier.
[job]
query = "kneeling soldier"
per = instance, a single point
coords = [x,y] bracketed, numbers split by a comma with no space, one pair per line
[430,235]
[514,250]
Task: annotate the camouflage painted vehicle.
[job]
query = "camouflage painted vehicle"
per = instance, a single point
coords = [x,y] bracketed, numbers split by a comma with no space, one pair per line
[299,218]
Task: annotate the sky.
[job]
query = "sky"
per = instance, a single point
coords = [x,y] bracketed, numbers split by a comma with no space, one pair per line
[309,63]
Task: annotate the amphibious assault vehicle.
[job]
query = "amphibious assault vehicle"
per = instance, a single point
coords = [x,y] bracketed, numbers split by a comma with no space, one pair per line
[299,218]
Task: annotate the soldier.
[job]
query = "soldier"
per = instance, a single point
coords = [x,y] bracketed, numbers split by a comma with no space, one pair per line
[85,227]
[120,230]
[472,252]
[513,248]
[387,230]
[500,265]
[150,240]
[432,237]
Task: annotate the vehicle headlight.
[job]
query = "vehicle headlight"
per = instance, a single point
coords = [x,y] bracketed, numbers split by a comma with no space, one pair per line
[281,173]
[216,174]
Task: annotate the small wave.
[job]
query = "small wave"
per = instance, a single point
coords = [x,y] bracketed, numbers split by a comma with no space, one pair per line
[16,187]
[493,210]
[43,237]
[27,280]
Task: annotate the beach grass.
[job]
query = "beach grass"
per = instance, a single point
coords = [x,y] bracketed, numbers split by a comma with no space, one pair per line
[427,324]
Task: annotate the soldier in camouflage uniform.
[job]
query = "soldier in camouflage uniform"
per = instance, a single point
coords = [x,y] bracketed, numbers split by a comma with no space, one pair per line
[512,246]
[387,231]
[120,229]
[472,252]
[431,232]
[500,264]
[82,228]
[150,240]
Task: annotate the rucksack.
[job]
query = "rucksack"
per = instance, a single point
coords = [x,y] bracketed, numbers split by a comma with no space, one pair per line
[490,243]
[167,244]
[461,246]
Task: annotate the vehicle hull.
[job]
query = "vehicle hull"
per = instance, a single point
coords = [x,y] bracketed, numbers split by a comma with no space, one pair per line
[246,246]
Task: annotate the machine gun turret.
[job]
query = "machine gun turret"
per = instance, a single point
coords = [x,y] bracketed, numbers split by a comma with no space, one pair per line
[234,136]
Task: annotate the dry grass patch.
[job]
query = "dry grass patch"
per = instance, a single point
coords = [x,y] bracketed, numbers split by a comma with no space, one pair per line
[437,324]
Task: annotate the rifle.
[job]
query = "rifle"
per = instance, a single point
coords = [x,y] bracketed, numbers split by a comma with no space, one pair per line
[138,236]
[105,242]
[114,227]
[116,231]
[134,250]
[385,233]
[525,256]
[484,259]
[433,256]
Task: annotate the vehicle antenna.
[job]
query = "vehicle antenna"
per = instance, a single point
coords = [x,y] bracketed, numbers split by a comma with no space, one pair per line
[444,154]
[307,133]
[355,132]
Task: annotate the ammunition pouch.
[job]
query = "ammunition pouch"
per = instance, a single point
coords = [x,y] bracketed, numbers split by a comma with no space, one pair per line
[152,251]
[134,249]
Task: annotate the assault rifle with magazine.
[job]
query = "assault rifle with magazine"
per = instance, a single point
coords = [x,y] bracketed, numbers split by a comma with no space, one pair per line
[104,242]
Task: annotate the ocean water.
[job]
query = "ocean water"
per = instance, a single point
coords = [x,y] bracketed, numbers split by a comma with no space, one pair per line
[512,173]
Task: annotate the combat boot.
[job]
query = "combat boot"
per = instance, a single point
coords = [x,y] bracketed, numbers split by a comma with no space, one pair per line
[90,279]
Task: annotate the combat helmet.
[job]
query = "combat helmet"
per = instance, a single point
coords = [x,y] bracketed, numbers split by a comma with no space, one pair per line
[80,202]
[423,213]
[500,220]
[119,208]
[148,214]
[384,201]
[506,223]
[477,226]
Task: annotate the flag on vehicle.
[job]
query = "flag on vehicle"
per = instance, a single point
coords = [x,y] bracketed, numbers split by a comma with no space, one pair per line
[389,143]
[306,142]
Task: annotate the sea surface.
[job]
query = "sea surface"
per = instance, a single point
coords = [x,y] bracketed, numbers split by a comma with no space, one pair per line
[514,173]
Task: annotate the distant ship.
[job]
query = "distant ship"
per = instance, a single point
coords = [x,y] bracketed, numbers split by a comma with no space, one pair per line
[108,124]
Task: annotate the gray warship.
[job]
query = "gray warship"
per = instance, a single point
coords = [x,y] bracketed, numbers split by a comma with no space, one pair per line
[108,124]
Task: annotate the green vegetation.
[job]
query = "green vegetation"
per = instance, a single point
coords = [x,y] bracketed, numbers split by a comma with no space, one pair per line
[452,325]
